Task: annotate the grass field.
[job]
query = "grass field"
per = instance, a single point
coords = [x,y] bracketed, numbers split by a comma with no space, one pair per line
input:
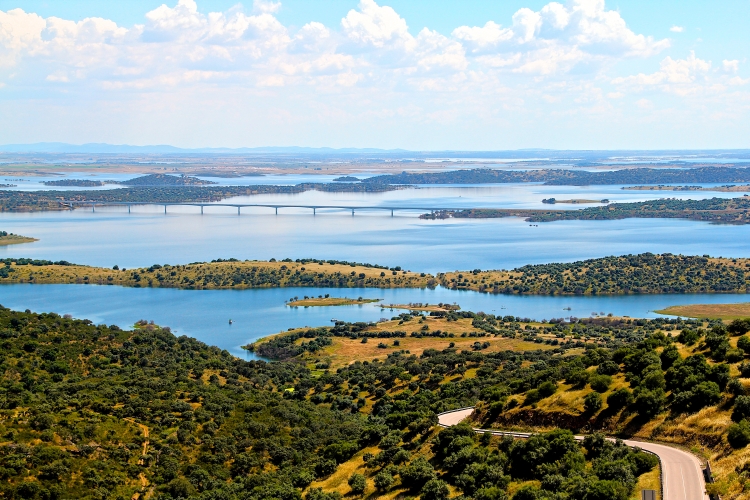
[15,239]
[329,301]
[713,311]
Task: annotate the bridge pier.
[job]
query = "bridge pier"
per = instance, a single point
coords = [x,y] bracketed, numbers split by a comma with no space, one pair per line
[352,212]
[165,209]
[238,210]
[314,211]
[201,209]
[92,207]
[391,212]
[277,210]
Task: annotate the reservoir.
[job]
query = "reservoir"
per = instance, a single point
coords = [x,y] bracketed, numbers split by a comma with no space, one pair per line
[205,314]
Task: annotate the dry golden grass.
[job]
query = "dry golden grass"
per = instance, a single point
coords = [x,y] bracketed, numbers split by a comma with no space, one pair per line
[330,301]
[344,350]
[648,481]
[713,311]
[15,239]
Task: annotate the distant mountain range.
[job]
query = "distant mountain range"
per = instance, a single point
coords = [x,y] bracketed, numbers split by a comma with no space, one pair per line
[103,148]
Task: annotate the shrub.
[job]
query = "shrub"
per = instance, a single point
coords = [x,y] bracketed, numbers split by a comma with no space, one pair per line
[620,398]
[600,383]
[417,473]
[383,480]
[688,337]
[592,402]
[743,343]
[607,490]
[649,403]
[435,489]
[608,368]
[546,389]
[738,435]
[741,408]
[735,387]
[357,483]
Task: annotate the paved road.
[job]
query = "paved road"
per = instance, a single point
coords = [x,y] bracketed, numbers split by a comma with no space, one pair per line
[682,475]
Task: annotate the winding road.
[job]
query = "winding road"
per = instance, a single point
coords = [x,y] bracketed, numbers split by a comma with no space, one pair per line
[682,475]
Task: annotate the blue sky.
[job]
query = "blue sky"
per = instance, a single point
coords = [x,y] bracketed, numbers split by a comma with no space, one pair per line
[414,74]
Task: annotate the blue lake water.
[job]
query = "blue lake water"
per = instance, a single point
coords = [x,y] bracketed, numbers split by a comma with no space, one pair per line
[205,314]
[146,236]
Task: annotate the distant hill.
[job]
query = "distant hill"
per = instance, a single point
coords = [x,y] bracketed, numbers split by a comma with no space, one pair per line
[166,180]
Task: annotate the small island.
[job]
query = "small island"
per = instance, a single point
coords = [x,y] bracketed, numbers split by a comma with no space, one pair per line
[77,183]
[7,238]
[325,301]
[346,178]
[418,306]
[553,201]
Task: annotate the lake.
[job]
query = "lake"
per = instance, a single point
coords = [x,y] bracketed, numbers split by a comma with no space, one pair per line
[205,314]
[146,236]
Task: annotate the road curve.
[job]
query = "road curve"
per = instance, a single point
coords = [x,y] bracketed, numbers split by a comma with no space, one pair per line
[682,476]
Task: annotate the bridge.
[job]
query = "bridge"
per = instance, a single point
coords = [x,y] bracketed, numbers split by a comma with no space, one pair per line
[239,206]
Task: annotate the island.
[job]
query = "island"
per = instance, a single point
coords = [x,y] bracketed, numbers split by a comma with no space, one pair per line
[7,238]
[326,301]
[77,183]
[552,201]
[728,188]
[714,210]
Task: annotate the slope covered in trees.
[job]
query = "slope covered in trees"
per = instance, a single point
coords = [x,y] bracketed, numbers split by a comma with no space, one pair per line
[97,412]
[562,177]
[716,210]
[642,273]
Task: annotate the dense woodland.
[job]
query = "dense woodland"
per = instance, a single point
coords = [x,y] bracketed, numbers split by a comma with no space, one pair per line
[29,201]
[641,273]
[716,210]
[561,177]
[97,412]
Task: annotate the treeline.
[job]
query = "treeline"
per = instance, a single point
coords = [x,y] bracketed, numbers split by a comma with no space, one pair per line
[19,201]
[92,411]
[641,273]
[561,177]
[716,210]
[230,273]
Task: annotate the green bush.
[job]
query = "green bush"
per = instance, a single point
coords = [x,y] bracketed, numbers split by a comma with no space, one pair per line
[357,483]
[738,435]
[592,402]
[600,383]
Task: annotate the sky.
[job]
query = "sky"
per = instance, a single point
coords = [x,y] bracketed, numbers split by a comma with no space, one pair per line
[411,74]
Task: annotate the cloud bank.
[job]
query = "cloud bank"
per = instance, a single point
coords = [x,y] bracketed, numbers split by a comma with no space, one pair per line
[377,65]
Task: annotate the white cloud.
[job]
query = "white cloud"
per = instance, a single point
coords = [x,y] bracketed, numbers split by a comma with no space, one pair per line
[564,54]
[731,67]
[557,39]
[376,26]
[676,29]
[266,6]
